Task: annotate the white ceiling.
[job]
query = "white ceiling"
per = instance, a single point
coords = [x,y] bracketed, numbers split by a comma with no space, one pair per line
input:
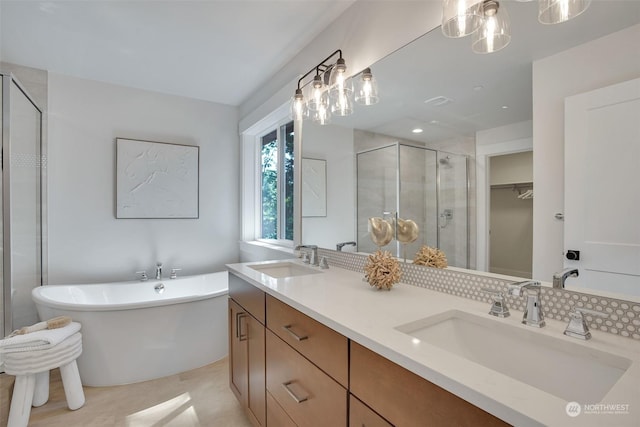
[434,65]
[215,50]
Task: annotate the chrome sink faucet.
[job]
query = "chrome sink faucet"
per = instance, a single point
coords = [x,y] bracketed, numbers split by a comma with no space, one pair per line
[158,271]
[314,253]
[561,276]
[533,315]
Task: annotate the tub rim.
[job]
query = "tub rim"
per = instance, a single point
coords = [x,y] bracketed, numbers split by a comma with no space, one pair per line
[38,298]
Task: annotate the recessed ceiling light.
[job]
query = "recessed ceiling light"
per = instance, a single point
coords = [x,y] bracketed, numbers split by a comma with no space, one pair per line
[434,122]
[417,130]
[504,107]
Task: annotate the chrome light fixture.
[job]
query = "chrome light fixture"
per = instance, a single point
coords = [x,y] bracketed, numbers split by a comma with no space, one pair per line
[495,31]
[488,20]
[331,91]
[367,89]
[461,17]
[558,11]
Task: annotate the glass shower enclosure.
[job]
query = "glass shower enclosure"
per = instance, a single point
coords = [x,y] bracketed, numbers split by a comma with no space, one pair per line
[415,183]
[21,201]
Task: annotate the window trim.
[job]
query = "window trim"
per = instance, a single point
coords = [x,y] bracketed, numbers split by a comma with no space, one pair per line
[251,204]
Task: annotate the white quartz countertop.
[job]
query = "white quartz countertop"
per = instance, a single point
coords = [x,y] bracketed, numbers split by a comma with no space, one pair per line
[341,300]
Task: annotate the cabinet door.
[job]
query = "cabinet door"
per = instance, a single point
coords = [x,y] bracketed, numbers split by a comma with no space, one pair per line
[238,357]
[256,405]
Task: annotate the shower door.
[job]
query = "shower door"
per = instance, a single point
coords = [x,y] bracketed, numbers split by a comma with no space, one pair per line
[21,205]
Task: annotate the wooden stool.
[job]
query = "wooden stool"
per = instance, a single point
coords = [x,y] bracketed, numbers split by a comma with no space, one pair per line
[31,369]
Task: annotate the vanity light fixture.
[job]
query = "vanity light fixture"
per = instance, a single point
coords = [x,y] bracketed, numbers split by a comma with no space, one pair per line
[331,91]
[495,31]
[367,88]
[488,20]
[558,11]
[461,18]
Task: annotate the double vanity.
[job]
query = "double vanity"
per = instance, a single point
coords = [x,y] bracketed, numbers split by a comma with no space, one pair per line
[311,346]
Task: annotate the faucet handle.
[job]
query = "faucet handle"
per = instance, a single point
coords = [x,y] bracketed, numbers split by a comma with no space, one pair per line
[174,272]
[143,275]
[305,257]
[499,307]
[324,263]
[577,327]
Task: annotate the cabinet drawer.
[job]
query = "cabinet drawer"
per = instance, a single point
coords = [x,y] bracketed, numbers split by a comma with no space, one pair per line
[406,399]
[276,417]
[309,396]
[248,296]
[323,346]
[360,415]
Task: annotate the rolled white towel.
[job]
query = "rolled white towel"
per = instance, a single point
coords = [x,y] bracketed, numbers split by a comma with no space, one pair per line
[38,340]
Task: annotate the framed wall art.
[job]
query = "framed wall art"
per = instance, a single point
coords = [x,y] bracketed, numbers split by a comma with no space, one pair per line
[156,179]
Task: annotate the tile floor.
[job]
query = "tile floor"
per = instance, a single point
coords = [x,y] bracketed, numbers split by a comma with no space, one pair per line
[197,398]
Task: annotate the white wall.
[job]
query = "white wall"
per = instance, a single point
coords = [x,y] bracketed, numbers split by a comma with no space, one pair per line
[602,62]
[86,242]
[335,145]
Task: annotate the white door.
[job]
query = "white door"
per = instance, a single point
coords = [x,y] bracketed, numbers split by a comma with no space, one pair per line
[602,187]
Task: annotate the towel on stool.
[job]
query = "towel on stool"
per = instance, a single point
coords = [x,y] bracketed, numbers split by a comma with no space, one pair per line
[39,340]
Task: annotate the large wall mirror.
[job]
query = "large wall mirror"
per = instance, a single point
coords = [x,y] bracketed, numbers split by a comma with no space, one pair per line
[477,135]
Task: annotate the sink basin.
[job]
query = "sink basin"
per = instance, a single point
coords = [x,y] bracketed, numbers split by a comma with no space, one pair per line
[564,369]
[284,269]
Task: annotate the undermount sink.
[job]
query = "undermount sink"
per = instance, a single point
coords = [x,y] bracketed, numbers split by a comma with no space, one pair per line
[564,369]
[284,269]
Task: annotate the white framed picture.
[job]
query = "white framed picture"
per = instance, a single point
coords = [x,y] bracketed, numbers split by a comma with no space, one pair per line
[156,179]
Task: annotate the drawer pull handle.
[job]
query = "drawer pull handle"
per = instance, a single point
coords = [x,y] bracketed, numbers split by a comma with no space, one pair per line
[293,334]
[292,394]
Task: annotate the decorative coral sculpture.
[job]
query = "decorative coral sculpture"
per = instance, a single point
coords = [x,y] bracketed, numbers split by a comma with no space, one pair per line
[431,257]
[382,270]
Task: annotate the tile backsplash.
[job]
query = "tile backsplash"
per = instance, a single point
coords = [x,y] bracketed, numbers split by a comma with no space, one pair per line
[623,316]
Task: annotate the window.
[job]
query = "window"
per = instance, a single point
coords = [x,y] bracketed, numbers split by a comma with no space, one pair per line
[276,183]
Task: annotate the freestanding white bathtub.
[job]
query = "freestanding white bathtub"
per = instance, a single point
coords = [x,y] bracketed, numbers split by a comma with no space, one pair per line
[137,331]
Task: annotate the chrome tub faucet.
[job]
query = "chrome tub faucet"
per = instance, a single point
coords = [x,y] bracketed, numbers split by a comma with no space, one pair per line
[533,315]
[561,276]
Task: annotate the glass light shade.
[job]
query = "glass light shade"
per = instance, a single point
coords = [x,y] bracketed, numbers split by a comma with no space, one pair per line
[298,107]
[322,115]
[461,17]
[318,94]
[367,89]
[558,11]
[342,102]
[495,32]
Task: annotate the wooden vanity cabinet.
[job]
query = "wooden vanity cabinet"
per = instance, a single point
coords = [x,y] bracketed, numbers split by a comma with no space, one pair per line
[360,415]
[310,397]
[247,377]
[406,399]
[324,347]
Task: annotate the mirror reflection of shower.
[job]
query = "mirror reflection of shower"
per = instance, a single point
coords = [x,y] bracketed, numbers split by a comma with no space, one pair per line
[419,184]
